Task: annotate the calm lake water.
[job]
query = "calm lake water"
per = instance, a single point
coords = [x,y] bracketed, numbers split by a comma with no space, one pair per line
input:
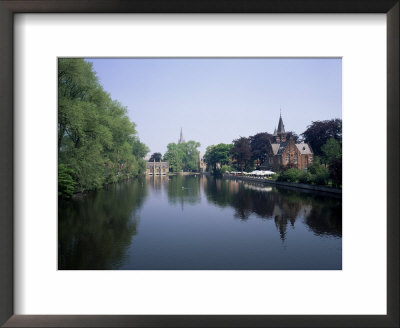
[199,222]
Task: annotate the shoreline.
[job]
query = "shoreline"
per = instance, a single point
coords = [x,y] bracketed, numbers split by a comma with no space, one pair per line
[289,185]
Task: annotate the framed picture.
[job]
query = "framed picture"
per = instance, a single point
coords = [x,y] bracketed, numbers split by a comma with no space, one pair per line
[230,59]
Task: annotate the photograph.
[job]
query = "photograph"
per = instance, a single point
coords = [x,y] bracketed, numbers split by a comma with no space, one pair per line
[197,163]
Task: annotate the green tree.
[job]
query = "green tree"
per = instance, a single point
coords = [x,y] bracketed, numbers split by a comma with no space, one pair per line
[241,152]
[66,183]
[174,156]
[290,175]
[190,158]
[335,171]
[96,139]
[218,154]
[140,150]
[319,132]
[331,150]
[260,145]
[319,173]
[183,156]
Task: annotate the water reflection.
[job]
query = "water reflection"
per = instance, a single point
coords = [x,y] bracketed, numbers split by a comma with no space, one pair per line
[227,224]
[95,230]
[323,215]
[183,189]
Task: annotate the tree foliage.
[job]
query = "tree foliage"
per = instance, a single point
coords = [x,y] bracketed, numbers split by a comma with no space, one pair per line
[319,132]
[96,140]
[174,156]
[155,157]
[290,175]
[66,183]
[241,153]
[183,156]
[335,170]
[319,173]
[332,151]
[217,154]
[190,159]
[260,145]
[292,134]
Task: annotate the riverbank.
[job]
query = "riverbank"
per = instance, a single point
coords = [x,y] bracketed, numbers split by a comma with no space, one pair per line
[291,185]
[84,193]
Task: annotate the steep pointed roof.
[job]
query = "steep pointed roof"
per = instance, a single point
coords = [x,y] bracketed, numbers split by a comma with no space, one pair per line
[181,137]
[281,127]
[275,134]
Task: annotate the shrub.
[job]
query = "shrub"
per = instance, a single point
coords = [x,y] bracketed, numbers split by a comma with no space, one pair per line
[66,183]
[275,177]
[290,175]
[335,170]
[319,173]
[225,168]
[305,177]
[321,177]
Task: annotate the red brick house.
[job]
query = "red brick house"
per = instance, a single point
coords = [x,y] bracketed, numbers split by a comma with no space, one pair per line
[286,151]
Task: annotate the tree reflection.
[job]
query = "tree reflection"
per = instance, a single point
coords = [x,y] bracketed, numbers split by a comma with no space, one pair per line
[184,189]
[218,191]
[321,214]
[326,218]
[95,231]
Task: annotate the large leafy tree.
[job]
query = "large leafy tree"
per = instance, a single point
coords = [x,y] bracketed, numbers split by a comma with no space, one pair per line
[97,143]
[319,132]
[140,150]
[335,171]
[190,155]
[241,152]
[260,145]
[217,154]
[332,155]
[155,157]
[331,150]
[183,156]
[174,156]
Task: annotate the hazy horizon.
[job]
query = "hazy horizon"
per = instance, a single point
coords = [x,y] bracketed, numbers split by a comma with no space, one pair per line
[219,100]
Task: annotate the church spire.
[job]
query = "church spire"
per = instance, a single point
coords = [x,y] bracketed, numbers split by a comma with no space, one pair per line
[181,138]
[281,126]
[280,134]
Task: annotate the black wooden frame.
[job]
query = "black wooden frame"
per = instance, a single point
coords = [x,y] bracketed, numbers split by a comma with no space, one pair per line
[7,10]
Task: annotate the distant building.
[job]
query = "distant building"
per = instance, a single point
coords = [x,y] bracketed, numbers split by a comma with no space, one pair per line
[157,168]
[181,140]
[287,152]
[202,165]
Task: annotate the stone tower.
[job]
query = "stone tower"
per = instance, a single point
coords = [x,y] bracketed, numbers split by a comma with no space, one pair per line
[280,134]
[181,140]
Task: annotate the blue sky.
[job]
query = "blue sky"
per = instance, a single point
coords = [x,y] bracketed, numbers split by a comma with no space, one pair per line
[218,100]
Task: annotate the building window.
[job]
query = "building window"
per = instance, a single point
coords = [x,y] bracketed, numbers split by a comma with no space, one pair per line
[310,159]
[287,159]
[295,159]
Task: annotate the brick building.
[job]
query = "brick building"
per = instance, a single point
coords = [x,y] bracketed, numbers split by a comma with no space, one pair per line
[285,151]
